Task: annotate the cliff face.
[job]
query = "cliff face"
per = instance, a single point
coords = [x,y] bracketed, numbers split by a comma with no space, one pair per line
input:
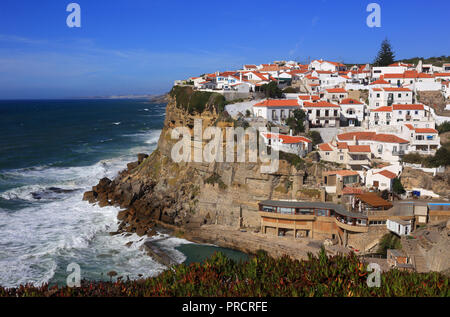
[192,194]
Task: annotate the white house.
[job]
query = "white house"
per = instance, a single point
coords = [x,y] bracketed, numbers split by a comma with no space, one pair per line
[326,65]
[398,226]
[322,113]
[352,111]
[423,140]
[388,147]
[335,94]
[399,114]
[387,96]
[378,71]
[380,179]
[275,110]
[298,145]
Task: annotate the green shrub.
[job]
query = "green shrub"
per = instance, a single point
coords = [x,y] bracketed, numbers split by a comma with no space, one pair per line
[260,276]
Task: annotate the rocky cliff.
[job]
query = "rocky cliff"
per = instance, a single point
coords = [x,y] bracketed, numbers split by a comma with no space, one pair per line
[156,189]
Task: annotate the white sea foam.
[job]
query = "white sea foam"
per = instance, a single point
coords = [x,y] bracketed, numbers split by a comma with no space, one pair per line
[37,242]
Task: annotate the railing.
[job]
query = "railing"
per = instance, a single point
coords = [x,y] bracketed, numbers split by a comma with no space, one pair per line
[398,153]
[351,227]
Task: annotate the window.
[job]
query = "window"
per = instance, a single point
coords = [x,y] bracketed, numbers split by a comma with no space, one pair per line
[416,112]
[378,95]
[327,153]
[341,157]
[399,95]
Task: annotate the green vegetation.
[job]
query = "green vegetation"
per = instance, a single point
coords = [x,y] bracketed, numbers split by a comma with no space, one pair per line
[271,90]
[216,179]
[293,159]
[385,55]
[197,101]
[296,122]
[290,90]
[436,61]
[443,127]
[315,137]
[389,241]
[440,158]
[397,186]
[259,276]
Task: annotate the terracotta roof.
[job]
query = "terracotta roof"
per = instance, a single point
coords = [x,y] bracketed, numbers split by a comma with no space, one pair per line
[342,145]
[325,147]
[408,107]
[387,174]
[374,200]
[359,136]
[441,74]
[320,104]
[426,130]
[288,139]
[389,138]
[359,148]
[396,89]
[277,103]
[380,82]
[350,101]
[342,173]
[409,126]
[337,90]
[382,109]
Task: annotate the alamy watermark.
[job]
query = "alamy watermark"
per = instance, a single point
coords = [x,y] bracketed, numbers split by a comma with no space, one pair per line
[74,278]
[74,18]
[190,148]
[374,18]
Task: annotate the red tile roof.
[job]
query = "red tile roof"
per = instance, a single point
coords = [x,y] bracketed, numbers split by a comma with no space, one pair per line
[350,101]
[408,107]
[320,104]
[396,89]
[277,103]
[425,130]
[380,82]
[382,109]
[388,138]
[288,139]
[336,90]
[325,147]
[359,148]
[352,191]
[387,174]
[342,173]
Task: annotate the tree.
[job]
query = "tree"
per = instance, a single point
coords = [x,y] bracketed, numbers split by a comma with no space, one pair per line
[271,90]
[315,137]
[397,187]
[385,56]
[296,122]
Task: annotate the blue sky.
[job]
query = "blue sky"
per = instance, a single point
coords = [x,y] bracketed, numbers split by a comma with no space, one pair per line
[142,46]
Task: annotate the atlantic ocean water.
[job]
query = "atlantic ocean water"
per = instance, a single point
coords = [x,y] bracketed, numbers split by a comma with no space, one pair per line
[51,152]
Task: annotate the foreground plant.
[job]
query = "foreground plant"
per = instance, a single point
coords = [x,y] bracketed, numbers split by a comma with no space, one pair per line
[261,275]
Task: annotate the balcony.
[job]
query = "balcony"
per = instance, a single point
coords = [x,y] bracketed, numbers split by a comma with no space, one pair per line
[351,227]
[276,215]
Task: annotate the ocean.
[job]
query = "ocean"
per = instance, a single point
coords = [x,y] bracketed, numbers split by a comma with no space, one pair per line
[51,152]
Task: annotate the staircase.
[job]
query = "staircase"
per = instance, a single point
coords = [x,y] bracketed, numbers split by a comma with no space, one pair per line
[411,248]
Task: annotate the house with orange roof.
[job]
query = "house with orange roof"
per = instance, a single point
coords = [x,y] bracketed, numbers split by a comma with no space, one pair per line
[422,140]
[378,71]
[387,96]
[326,65]
[298,145]
[380,179]
[355,157]
[388,147]
[322,113]
[352,112]
[335,94]
[275,110]
[399,114]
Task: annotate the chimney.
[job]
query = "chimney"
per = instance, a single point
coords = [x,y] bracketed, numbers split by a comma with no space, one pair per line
[240,76]
[290,132]
[354,140]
